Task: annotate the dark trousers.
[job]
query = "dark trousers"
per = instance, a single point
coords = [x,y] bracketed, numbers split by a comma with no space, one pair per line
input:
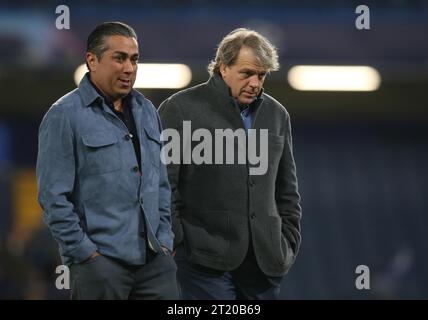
[247,282]
[108,278]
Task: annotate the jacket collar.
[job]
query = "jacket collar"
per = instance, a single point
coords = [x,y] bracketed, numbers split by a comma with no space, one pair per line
[218,84]
[90,94]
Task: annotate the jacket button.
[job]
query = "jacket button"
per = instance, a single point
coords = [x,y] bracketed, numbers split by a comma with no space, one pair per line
[253,215]
[251,182]
[128,136]
[135,169]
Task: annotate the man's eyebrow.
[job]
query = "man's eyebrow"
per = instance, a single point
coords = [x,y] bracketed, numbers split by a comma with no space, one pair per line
[125,54]
[121,53]
[252,71]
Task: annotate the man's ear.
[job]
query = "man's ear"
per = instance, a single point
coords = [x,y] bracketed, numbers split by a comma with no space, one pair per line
[92,61]
[222,69]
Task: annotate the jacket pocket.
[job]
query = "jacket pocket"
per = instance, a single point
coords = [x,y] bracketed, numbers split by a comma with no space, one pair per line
[284,255]
[275,139]
[154,144]
[206,232]
[102,152]
[275,150]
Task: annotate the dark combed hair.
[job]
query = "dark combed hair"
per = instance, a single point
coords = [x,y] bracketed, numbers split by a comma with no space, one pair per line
[96,43]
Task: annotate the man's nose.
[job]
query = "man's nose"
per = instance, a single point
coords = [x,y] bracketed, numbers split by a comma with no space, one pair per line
[128,66]
[254,82]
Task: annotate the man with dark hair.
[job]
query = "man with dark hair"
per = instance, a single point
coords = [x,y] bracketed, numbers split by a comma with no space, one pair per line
[237,229]
[102,186]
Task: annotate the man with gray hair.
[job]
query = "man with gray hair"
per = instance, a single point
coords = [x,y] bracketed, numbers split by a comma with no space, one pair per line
[236,233]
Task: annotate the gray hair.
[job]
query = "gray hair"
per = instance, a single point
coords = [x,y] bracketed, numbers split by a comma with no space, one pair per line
[229,47]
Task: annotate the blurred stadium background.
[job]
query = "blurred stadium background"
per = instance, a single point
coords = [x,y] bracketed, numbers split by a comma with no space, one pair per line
[362,157]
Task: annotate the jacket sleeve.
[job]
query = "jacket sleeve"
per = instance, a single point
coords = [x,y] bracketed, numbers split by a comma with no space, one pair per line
[164,233]
[172,119]
[55,179]
[287,195]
